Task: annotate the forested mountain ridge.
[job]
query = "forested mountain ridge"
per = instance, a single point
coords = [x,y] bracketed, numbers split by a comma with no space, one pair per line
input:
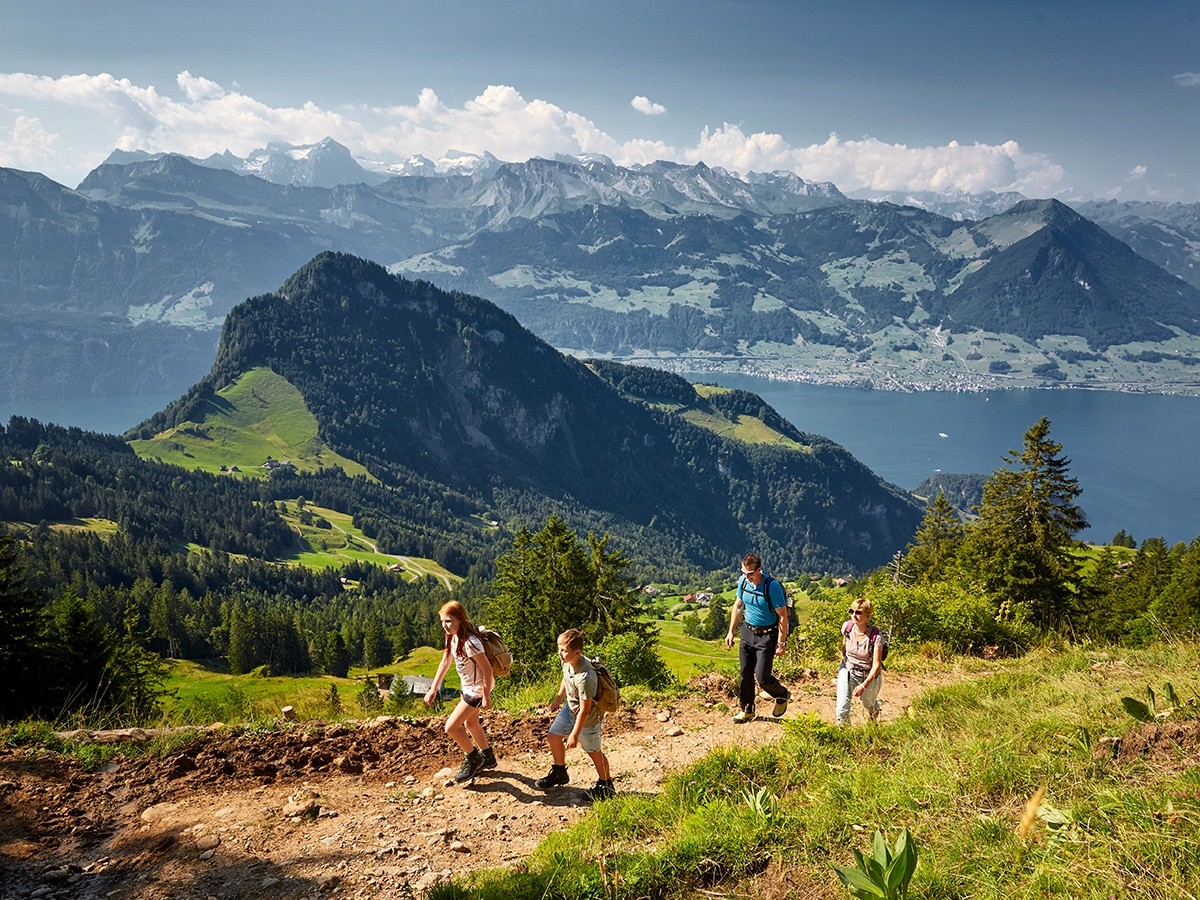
[446,388]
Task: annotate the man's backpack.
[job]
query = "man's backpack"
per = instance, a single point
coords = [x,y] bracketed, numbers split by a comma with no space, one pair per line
[766,590]
[608,695]
[875,634]
[496,650]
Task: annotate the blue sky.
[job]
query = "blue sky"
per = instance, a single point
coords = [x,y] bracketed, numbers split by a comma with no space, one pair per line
[1068,99]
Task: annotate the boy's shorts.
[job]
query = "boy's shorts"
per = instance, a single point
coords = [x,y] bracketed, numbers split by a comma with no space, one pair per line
[564,723]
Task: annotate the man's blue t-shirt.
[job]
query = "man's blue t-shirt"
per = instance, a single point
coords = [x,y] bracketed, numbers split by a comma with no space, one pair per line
[759,609]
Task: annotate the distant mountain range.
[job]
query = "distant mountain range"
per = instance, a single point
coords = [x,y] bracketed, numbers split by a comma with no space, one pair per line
[120,286]
[447,392]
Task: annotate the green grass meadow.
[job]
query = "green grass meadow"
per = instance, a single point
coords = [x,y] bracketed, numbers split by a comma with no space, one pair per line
[959,773]
[334,546]
[686,656]
[199,694]
[259,417]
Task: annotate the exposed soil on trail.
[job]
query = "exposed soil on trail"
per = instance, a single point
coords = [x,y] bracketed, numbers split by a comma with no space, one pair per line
[341,810]
[1169,746]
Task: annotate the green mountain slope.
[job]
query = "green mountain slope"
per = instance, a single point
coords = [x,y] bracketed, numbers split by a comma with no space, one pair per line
[419,385]
[256,421]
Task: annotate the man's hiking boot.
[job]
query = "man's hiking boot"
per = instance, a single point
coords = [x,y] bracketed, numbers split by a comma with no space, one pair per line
[555,777]
[489,760]
[471,764]
[601,791]
[781,705]
[742,716]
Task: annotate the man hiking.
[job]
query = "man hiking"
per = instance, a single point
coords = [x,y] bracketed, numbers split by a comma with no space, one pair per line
[761,611]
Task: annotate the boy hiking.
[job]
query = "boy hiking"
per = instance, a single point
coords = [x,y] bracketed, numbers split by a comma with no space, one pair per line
[465,648]
[579,721]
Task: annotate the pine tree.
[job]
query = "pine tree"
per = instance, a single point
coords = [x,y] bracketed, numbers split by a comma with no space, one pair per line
[81,649]
[242,657]
[936,543]
[1028,519]
[21,648]
[547,583]
[377,649]
[1178,605]
[1134,590]
[335,659]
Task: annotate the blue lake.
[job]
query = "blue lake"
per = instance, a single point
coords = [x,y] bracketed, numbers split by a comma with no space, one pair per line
[1133,454]
[108,415]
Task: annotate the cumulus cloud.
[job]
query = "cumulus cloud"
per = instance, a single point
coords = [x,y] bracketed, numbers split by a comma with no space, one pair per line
[647,106]
[875,164]
[27,145]
[1187,79]
[1137,172]
[208,118]
[203,117]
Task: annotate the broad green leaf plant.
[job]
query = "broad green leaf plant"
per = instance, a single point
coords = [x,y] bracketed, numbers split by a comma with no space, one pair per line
[885,874]
[1151,711]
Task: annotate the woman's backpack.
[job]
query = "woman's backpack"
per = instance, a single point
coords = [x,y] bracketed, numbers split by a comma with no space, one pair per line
[496,650]
[874,634]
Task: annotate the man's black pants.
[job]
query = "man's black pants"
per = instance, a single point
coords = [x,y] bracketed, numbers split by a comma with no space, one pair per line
[757,656]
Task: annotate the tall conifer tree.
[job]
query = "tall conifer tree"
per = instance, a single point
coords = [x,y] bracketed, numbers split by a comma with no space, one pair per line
[1027,524]
[936,543]
[20,635]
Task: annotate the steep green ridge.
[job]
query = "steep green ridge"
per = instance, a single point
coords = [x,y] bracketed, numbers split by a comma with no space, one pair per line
[259,417]
[446,390]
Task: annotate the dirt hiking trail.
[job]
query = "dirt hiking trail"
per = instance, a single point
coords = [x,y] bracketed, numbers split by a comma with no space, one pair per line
[342,810]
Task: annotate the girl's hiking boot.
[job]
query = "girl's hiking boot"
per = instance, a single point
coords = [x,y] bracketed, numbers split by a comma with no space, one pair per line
[742,716]
[471,764]
[781,705]
[602,791]
[488,761]
[554,778]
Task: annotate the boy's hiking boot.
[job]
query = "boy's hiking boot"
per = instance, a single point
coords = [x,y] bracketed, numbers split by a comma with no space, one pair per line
[554,778]
[471,764]
[489,760]
[742,716]
[781,705]
[601,791]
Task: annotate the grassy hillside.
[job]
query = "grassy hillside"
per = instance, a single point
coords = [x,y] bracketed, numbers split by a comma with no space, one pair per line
[202,694]
[1018,778]
[747,429]
[259,417]
[330,539]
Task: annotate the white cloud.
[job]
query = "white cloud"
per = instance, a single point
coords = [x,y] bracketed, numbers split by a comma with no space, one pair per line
[1137,172]
[647,106]
[28,145]
[1187,79]
[207,118]
[870,163]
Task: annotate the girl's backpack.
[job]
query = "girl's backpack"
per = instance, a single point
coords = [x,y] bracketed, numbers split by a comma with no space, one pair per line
[496,650]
